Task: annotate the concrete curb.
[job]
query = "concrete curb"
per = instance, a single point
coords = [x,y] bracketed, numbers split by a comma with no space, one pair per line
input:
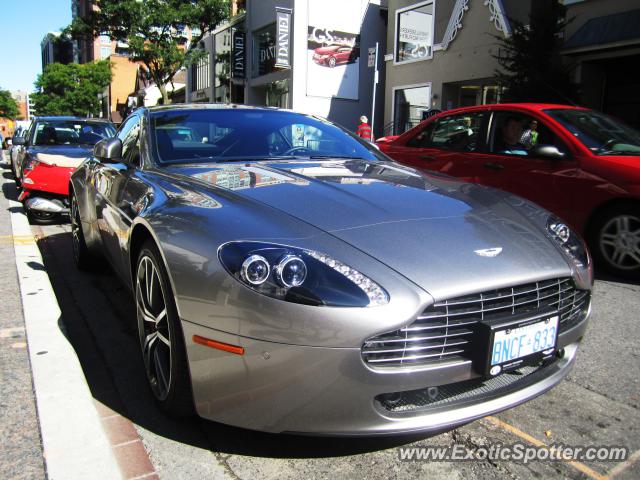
[74,442]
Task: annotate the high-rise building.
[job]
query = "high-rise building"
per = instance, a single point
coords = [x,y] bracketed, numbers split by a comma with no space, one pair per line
[90,49]
[56,49]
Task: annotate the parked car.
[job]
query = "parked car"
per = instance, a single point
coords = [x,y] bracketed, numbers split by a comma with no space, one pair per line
[13,149]
[334,55]
[324,289]
[582,165]
[49,154]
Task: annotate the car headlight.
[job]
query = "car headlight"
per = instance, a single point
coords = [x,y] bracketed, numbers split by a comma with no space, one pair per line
[300,276]
[570,242]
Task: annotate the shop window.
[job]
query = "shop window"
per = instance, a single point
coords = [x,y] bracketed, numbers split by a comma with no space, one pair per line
[414,32]
[264,51]
[408,107]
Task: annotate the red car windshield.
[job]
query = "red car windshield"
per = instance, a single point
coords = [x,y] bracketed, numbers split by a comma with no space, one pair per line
[71,132]
[600,133]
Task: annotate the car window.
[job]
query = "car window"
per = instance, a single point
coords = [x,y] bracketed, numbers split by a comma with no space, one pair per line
[515,133]
[70,132]
[225,134]
[601,134]
[461,132]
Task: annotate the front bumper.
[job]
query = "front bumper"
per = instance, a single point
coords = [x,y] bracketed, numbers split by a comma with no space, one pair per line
[277,387]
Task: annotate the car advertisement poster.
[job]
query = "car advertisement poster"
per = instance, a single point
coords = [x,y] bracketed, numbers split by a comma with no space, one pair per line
[333,49]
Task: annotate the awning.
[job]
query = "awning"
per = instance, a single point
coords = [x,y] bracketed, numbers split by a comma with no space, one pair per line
[611,29]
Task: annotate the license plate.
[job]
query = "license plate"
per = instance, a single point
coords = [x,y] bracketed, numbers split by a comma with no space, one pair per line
[512,344]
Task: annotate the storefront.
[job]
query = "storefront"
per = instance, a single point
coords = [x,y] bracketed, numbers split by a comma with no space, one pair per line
[300,54]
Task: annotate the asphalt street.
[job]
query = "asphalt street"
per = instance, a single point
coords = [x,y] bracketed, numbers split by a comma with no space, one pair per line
[597,405]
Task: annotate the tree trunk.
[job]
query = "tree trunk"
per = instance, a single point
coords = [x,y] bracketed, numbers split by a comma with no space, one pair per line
[165,96]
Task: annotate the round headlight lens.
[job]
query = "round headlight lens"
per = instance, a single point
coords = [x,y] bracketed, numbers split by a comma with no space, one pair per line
[255,269]
[291,271]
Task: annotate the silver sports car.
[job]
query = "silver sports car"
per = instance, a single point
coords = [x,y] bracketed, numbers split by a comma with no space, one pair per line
[290,277]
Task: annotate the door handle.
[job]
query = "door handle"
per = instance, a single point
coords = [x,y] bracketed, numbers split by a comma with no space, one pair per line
[427,158]
[493,166]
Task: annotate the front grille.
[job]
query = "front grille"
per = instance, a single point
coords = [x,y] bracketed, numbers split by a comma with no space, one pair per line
[444,331]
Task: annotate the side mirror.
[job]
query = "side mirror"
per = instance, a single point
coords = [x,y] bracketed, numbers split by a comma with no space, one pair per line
[19,141]
[547,151]
[108,150]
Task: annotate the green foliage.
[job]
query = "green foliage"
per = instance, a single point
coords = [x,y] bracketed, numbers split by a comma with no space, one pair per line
[71,89]
[155,30]
[8,106]
[532,69]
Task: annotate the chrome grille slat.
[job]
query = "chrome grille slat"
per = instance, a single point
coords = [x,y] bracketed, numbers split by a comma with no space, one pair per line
[484,300]
[445,329]
[415,349]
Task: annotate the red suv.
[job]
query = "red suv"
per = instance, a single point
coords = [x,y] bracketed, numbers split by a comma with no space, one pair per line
[580,164]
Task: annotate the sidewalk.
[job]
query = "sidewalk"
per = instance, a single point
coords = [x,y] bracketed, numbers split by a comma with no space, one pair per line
[20,443]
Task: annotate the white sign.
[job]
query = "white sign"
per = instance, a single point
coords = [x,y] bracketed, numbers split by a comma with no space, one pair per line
[415,27]
[371,61]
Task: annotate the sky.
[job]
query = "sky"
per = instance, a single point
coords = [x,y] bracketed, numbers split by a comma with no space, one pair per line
[23,23]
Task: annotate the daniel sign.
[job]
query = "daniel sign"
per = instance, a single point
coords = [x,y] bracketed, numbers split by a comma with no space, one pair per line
[283,37]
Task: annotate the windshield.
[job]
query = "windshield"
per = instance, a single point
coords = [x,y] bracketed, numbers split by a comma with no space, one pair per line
[71,132]
[191,136]
[600,133]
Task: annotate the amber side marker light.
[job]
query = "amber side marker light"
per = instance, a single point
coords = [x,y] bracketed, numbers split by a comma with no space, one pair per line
[218,345]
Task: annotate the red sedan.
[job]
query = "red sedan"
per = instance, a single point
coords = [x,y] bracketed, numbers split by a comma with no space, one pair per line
[334,55]
[579,164]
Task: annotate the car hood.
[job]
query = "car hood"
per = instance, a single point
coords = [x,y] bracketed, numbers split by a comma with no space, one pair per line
[436,231]
[61,155]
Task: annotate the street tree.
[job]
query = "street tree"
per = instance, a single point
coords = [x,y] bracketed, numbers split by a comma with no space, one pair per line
[157,32]
[71,89]
[531,67]
[8,106]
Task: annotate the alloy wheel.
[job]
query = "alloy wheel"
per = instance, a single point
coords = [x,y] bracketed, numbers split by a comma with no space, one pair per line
[619,241]
[75,229]
[153,327]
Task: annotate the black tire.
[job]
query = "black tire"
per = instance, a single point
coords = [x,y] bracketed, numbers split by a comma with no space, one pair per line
[614,240]
[160,333]
[42,218]
[331,62]
[81,255]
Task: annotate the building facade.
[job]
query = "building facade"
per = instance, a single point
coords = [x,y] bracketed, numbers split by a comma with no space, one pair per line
[55,49]
[441,55]
[313,56]
[90,49]
[602,43]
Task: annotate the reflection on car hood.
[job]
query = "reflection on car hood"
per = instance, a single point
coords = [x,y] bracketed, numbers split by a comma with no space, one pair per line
[61,155]
[432,229]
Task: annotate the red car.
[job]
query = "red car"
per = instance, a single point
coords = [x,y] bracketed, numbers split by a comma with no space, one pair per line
[49,153]
[334,55]
[580,164]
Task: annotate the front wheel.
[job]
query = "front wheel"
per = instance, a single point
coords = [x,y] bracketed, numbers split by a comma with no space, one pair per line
[42,218]
[615,240]
[332,62]
[81,256]
[160,334]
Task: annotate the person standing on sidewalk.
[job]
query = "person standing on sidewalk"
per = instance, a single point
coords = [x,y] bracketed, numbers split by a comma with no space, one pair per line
[364,129]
